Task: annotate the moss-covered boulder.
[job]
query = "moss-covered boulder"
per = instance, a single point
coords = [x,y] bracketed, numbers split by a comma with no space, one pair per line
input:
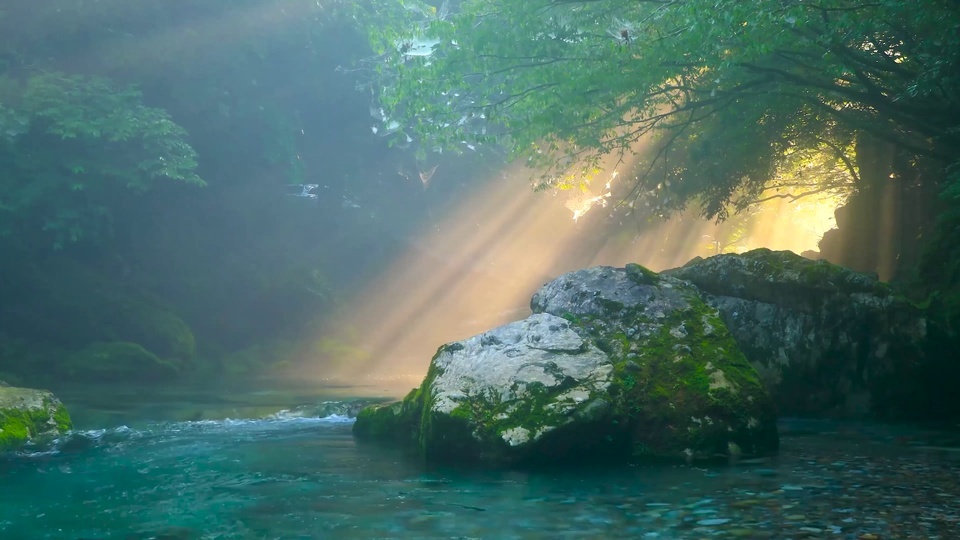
[29,416]
[397,422]
[614,365]
[826,340]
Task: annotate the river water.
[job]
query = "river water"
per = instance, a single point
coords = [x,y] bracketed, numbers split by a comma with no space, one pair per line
[293,474]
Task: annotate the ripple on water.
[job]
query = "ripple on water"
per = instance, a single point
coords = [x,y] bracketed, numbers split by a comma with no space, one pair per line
[295,476]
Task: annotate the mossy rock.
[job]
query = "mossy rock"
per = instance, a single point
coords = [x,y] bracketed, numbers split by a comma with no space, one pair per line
[614,365]
[397,422]
[827,341]
[777,277]
[29,416]
[680,380]
[118,361]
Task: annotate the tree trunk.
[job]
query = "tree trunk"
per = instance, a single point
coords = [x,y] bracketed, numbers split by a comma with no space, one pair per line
[881,228]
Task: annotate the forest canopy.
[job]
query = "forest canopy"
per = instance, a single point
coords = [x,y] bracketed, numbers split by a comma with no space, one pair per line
[114,112]
[732,90]
[67,141]
[101,101]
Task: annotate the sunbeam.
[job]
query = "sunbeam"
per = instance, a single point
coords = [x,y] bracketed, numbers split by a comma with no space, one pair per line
[478,266]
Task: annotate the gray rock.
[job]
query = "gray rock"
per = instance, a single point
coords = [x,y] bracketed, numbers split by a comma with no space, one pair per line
[614,364]
[826,341]
[538,362]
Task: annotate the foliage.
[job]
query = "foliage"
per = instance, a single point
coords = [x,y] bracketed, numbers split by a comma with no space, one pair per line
[105,361]
[733,88]
[68,141]
[253,84]
[67,304]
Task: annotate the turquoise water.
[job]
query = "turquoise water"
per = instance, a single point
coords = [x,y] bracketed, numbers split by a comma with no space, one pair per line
[293,475]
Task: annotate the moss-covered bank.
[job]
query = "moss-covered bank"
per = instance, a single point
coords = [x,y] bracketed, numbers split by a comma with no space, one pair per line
[29,416]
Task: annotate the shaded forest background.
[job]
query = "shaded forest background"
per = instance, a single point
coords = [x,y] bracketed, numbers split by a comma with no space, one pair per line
[146,229]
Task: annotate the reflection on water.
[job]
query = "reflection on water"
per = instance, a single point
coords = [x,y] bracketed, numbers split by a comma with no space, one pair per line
[292,475]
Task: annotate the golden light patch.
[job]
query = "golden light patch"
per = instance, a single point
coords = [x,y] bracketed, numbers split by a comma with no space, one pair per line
[479,265]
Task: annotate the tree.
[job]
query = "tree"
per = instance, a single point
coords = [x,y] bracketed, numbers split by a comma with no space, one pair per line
[67,142]
[731,89]
[112,111]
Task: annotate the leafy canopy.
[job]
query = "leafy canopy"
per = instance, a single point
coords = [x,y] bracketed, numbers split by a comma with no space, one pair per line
[731,88]
[67,142]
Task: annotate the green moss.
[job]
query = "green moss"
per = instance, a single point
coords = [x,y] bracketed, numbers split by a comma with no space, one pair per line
[474,430]
[403,422]
[642,275]
[392,422]
[611,306]
[21,425]
[661,375]
[778,267]
[529,413]
[780,278]
[62,418]
[817,273]
[424,396]
[14,429]
[397,422]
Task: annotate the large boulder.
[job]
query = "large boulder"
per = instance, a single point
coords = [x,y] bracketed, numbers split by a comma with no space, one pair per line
[29,416]
[827,341]
[614,364]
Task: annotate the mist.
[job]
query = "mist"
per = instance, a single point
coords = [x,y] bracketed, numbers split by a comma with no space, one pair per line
[267,269]
[317,251]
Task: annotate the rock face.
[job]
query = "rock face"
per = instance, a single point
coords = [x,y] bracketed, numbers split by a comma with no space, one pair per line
[29,416]
[614,364]
[827,341]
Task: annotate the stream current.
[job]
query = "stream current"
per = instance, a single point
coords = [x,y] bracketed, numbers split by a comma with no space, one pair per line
[294,474]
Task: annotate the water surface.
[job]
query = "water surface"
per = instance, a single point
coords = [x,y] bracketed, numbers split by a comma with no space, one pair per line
[294,475]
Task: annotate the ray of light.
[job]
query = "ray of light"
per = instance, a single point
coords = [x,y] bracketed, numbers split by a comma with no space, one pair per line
[473,270]
[478,266]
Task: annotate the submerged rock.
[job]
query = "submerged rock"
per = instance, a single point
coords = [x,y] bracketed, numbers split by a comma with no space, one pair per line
[826,340]
[29,416]
[614,364]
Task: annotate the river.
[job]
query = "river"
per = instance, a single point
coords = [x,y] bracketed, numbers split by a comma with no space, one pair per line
[293,474]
